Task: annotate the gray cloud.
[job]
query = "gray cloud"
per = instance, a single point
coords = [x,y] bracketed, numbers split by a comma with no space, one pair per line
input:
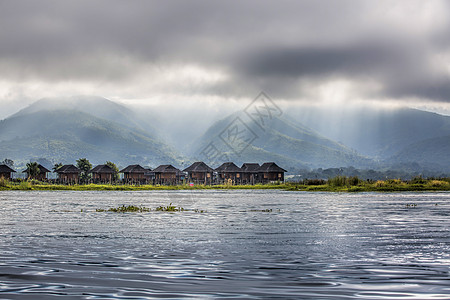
[282,47]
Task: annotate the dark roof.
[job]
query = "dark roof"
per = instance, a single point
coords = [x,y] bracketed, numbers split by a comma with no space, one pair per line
[6,169]
[133,169]
[66,169]
[250,167]
[105,169]
[228,167]
[42,169]
[198,166]
[270,167]
[166,169]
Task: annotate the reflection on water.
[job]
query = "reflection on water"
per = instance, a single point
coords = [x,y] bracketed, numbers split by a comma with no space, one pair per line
[310,245]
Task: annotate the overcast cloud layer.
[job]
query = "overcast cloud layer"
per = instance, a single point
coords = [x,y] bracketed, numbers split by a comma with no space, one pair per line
[294,50]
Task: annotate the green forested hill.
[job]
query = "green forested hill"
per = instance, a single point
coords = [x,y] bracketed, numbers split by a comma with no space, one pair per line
[434,152]
[373,131]
[65,135]
[284,141]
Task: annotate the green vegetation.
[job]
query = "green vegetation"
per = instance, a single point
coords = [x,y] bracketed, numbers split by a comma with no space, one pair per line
[124,209]
[133,208]
[33,169]
[4,183]
[169,208]
[354,184]
[336,184]
[85,166]
[25,185]
[57,166]
[8,162]
[115,168]
[261,210]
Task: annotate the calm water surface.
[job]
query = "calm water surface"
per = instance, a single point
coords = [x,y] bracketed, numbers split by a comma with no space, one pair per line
[311,245]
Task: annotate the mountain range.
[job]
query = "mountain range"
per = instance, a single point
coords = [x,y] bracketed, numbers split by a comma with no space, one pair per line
[63,130]
[92,127]
[283,141]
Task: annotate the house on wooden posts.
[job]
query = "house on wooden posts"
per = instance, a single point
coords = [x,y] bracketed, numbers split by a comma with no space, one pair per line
[168,174]
[68,174]
[200,173]
[103,173]
[229,172]
[149,175]
[270,172]
[250,173]
[42,176]
[134,173]
[6,172]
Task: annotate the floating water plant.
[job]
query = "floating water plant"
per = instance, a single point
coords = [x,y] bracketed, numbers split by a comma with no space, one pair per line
[123,209]
[169,208]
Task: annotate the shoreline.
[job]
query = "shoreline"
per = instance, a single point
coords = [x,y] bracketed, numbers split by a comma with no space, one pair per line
[379,186]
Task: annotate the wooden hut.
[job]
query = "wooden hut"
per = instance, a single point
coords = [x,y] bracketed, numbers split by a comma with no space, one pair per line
[270,172]
[149,175]
[167,174]
[103,173]
[250,173]
[229,172]
[200,173]
[134,173]
[6,172]
[42,176]
[68,174]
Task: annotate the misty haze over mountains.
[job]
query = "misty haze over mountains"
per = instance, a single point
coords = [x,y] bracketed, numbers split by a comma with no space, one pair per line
[63,130]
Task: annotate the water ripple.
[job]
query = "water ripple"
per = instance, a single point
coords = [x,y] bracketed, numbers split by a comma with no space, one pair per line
[258,244]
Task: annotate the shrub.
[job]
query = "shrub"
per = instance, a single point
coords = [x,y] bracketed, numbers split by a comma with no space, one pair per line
[438,183]
[314,182]
[25,185]
[337,181]
[418,180]
[380,183]
[354,180]
[4,182]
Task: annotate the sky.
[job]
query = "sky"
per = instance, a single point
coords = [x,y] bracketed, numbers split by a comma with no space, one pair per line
[213,56]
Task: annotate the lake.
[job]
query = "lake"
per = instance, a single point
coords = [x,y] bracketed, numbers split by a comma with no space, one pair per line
[248,244]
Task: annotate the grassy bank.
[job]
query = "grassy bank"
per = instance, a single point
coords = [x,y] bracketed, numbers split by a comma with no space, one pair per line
[354,184]
[337,184]
[42,186]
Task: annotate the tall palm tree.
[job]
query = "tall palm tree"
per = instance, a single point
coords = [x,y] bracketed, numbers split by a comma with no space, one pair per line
[57,166]
[85,166]
[33,170]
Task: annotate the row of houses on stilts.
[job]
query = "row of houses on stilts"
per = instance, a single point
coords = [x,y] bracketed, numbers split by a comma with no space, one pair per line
[197,173]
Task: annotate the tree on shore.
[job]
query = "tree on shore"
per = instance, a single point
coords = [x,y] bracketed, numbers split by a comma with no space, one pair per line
[85,166]
[57,166]
[33,170]
[115,168]
[8,162]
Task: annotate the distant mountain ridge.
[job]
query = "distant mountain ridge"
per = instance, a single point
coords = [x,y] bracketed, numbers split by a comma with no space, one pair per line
[286,142]
[376,132]
[433,152]
[65,132]
[65,129]
[96,106]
